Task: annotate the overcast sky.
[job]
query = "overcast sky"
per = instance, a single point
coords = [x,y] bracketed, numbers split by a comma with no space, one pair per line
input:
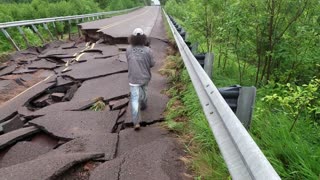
[156,2]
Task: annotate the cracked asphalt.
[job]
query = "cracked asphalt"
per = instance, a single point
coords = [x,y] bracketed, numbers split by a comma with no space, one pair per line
[48,131]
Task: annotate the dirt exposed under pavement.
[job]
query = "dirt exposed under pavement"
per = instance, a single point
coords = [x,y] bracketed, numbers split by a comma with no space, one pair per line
[13,89]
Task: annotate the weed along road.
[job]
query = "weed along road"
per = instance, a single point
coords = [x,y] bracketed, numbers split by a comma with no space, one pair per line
[48,123]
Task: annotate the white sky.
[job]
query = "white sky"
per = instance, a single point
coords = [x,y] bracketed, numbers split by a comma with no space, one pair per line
[156,2]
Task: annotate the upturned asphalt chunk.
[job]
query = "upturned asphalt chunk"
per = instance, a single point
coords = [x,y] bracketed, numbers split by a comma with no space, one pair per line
[109,87]
[22,152]
[46,167]
[94,68]
[72,124]
[98,143]
[14,136]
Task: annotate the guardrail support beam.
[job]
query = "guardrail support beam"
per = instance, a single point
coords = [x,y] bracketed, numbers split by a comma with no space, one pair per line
[56,29]
[10,39]
[37,32]
[24,36]
[46,28]
[69,23]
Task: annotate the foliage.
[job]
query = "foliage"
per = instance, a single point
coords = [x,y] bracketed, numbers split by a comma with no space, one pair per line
[98,106]
[279,38]
[273,45]
[297,101]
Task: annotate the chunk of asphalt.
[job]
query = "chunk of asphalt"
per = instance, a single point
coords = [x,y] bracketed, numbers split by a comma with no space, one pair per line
[46,167]
[63,81]
[24,70]
[118,104]
[12,124]
[70,92]
[22,152]
[74,124]
[57,107]
[14,136]
[96,143]
[96,68]
[3,66]
[10,108]
[110,87]
[4,84]
[8,70]
[57,97]
[26,77]
[130,139]
[106,50]
[42,64]
[144,162]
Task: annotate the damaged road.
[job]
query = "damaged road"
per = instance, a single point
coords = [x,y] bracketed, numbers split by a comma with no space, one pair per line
[49,131]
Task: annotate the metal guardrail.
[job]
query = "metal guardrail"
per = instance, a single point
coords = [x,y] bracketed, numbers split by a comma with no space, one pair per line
[45,21]
[243,157]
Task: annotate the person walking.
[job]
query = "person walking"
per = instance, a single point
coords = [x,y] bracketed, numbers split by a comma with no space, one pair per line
[140,61]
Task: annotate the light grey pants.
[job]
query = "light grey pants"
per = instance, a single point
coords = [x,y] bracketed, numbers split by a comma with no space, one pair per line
[138,100]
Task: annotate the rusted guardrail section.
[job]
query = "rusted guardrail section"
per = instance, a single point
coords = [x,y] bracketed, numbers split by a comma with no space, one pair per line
[44,22]
[243,157]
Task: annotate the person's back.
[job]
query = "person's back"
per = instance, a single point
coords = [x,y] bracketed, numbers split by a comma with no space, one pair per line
[140,61]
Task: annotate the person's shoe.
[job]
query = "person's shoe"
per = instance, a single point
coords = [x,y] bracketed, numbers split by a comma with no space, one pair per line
[137,127]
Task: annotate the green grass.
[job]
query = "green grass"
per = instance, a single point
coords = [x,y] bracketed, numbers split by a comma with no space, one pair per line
[294,155]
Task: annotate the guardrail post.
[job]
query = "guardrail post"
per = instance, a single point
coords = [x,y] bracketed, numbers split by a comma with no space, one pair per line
[46,28]
[69,22]
[56,29]
[23,35]
[37,32]
[246,101]
[10,39]
[208,64]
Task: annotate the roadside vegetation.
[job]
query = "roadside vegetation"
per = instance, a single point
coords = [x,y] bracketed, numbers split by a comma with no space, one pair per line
[15,10]
[273,45]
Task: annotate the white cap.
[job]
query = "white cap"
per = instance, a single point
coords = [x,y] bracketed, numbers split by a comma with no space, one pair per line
[138,31]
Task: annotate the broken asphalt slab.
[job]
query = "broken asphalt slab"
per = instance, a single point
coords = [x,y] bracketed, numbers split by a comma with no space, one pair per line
[22,152]
[12,124]
[46,167]
[105,143]
[109,87]
[130,139]
[8,70]
[152,161]
[95,68]
[57,107]
[74,124]
[14,136]
[10,108]
[42,64]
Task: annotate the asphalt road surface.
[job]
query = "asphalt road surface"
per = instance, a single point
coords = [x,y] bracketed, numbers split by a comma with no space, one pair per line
[48,130]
